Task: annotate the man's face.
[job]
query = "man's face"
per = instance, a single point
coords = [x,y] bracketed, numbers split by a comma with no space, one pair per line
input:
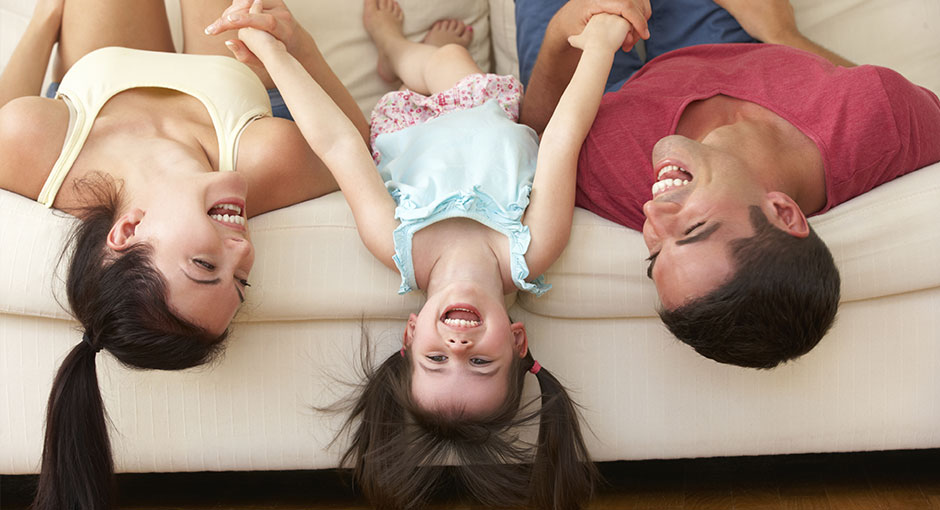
[700,203]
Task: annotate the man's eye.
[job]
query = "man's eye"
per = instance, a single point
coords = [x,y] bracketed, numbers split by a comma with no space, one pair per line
[437,358]
[204,264]
[693,227]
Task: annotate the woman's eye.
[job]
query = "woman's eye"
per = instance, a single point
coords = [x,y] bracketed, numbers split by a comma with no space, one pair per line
[479,362]
[437,358]
[204,264]
[244,282]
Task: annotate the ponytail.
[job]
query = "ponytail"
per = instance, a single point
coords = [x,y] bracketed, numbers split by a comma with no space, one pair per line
[120,301]
[76,458]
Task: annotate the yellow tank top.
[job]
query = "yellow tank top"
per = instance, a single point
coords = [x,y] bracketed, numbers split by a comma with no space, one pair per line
[230,91]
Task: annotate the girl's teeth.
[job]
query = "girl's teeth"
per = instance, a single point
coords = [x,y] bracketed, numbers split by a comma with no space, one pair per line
[461,323]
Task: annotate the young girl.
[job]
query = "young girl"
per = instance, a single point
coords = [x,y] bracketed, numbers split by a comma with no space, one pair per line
[142,145]
[469,208]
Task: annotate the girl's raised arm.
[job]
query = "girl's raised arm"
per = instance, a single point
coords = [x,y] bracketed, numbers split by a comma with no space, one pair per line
[334,139]
[551,204]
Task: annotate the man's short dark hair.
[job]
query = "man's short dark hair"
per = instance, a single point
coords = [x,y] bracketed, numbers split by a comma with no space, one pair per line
[778,305]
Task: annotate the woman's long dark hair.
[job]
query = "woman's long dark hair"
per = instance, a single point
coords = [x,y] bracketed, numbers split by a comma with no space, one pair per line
[399,450]
[120,301]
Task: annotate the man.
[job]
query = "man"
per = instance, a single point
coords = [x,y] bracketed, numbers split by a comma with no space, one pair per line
[719,152]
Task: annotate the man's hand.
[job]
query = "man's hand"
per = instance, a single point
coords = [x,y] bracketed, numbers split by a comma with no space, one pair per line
[603,32]
[769,21]
[574,16]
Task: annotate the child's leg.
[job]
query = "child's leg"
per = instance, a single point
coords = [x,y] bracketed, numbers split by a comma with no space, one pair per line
[679,23]
[423,67]
[91,24]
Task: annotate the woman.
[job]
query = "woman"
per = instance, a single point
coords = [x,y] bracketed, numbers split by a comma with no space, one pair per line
[139,145]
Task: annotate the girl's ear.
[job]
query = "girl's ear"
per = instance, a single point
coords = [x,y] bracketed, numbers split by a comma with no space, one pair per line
[409,335]
[783,213]
[123,233]
[520,339]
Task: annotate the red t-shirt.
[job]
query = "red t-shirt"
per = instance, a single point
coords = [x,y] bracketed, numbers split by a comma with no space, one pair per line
[869,123]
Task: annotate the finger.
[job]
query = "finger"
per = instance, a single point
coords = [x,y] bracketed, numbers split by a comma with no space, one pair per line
[237,20]
[638,21]
[256,7]
[218,26]
[242,53]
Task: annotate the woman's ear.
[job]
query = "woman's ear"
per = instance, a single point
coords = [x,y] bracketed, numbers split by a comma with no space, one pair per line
[783,213]
[520,339]
[123,233]
[409,331]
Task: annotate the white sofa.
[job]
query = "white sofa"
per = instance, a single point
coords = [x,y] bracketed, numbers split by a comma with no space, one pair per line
[872,384]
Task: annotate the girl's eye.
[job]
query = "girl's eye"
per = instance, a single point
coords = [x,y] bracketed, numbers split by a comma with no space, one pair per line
[204,264]
[437,358]
[479,362]
[244,282]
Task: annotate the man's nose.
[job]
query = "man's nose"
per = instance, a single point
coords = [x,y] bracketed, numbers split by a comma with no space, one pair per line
[661,216]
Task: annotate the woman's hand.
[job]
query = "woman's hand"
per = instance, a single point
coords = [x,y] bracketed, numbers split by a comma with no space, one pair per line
[603,31]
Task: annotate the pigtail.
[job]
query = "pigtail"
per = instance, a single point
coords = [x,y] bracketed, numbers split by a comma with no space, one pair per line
[563,475]
[76,459]
[379,431]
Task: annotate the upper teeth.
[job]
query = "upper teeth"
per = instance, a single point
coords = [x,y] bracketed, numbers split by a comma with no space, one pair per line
[461,323]
[239,220]
[664,184]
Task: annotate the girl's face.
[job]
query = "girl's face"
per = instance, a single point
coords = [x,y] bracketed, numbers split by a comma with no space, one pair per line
[196,227]
[463,346]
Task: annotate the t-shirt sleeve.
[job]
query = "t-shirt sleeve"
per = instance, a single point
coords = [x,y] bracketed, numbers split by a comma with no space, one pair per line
[917,117]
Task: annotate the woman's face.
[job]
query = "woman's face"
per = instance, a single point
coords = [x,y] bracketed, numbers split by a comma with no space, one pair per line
[195,223]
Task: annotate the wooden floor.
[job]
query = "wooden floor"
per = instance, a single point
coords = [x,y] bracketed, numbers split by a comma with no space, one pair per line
[908,480]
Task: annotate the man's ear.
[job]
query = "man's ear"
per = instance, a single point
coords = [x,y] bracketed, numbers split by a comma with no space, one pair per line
[520,339]
[783,212]
[409,331]
[123,233]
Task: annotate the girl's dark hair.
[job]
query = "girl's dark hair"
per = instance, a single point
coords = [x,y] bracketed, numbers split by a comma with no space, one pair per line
[119,299]
[399,451]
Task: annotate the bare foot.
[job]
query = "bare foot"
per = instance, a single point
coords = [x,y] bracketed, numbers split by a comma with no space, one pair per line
[449,31]
[383,20]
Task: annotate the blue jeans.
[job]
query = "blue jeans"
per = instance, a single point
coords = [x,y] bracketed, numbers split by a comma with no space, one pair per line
[674,24]
[278,108]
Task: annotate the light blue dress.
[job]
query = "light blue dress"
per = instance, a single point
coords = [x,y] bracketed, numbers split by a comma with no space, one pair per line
[474,163]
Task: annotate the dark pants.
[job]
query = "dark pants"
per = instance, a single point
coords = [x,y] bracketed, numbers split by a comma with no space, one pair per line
[674,24]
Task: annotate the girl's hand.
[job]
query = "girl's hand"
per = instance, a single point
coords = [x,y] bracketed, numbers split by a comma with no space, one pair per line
[253,42]
[273,17]
[603,31]
[576,14]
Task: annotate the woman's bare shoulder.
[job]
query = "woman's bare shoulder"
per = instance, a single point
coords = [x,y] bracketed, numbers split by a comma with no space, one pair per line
[280,167]
[32,131]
